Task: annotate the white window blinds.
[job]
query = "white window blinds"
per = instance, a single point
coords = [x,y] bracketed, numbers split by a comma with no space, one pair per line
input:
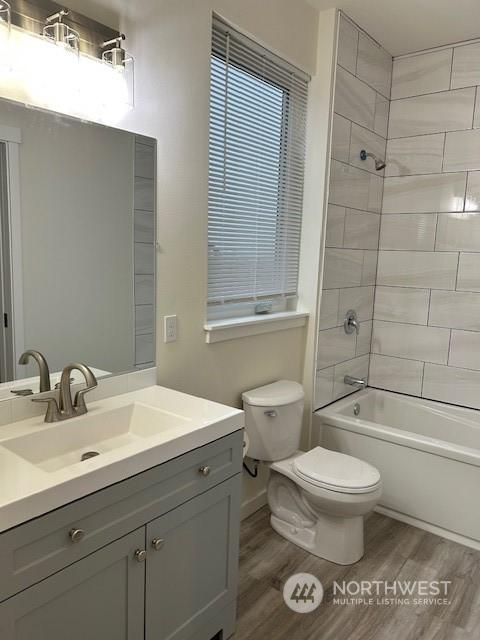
[258,105]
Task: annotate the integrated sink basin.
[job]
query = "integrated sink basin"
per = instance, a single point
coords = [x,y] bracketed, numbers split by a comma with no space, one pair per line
[44,466]
[77,440]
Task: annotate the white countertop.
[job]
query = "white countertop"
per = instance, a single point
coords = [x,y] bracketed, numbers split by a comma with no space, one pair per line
[28,490]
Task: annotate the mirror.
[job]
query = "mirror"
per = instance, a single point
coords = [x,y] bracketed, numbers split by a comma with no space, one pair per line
[77,246]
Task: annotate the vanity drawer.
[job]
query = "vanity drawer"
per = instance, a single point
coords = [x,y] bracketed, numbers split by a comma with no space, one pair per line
[40,547]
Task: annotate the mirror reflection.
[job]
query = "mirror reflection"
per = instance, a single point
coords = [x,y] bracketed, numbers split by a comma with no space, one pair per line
[77,247]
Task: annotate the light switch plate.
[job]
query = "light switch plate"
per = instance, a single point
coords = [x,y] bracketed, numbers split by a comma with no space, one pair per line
[169,328]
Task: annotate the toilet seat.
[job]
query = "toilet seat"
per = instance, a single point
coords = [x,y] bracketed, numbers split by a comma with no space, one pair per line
[336,471]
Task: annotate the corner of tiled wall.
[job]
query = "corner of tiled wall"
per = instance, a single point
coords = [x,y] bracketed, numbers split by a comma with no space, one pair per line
[426,338]
[360,121]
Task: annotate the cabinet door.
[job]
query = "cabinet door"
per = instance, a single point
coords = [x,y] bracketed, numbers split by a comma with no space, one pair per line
[193,574]
[98,598]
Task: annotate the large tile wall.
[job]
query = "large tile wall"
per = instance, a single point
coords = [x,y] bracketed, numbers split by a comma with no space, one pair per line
[426,328]
[144,249]
[361,100]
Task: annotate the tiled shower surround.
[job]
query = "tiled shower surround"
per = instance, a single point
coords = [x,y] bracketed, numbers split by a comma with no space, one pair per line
[426,338]
[426,302]
[362,91]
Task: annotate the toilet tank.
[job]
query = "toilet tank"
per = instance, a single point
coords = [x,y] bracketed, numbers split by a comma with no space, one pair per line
[273,419]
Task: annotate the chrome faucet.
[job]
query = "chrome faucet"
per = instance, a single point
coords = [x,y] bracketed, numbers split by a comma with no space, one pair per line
[42,366]
[66,407]
[355,382]
[351,323]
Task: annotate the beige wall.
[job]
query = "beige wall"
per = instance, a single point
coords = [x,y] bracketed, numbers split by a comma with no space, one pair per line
[170,40]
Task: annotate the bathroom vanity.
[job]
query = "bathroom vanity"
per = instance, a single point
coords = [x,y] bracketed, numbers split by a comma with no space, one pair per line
[121,523]
[153,552]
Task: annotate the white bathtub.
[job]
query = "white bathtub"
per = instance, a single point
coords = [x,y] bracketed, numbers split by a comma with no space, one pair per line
[428,454]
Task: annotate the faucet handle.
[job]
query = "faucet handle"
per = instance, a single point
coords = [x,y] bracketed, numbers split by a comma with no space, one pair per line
[79,402]
[53,412]
[351,322]
[91,380]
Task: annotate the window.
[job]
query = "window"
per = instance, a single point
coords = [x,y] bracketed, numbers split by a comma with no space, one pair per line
[258,106]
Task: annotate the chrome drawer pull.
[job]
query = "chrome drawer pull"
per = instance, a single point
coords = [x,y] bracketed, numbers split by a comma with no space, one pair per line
[205,471]
[76,535]
[157,543]
[140,555]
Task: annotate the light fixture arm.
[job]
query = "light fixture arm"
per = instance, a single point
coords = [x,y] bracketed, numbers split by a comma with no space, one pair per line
[57,16]
[116,56]
[116,41]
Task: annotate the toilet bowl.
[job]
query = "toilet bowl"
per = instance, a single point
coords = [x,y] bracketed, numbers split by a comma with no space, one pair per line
[323,514]
[318,499]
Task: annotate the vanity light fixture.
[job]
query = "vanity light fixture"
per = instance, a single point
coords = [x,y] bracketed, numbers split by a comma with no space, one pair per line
[5,12]
[5,24]
[116,56]
[56,31]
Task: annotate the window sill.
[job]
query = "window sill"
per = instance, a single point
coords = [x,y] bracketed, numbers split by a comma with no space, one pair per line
[231,328]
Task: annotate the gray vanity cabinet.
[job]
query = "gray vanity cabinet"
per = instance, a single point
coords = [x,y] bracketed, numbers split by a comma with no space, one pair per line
[192,565]
[98,598]
[156,558]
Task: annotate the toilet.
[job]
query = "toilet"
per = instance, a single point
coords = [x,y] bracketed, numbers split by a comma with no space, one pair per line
[317,499]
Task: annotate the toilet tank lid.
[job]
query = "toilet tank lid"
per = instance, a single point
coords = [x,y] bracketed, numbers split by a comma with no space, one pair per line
[275,394]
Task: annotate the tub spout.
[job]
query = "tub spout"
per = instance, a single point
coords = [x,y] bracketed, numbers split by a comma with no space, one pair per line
[355,382]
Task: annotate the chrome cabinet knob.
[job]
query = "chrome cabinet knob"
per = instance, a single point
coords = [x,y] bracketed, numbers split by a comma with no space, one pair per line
[157,543]
[76,535]
[140,555]
[205,471]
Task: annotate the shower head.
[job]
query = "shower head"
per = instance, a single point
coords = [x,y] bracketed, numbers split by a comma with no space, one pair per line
[379,164]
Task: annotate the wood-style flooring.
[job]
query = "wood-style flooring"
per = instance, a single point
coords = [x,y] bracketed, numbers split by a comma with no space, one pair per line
[394,551]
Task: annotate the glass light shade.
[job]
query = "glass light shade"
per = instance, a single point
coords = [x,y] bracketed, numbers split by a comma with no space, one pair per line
[57,78]
[5,57]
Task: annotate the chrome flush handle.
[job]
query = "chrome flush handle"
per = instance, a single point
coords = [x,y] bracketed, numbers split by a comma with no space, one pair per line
[270,413]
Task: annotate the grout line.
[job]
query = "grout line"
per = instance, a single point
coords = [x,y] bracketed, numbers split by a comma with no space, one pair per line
[356,53]
[422,135]
[367,171]
[451,71]
[356,208]
[436,231]
[474,107]
[416,324]
[441,173]
[439,251]
[429,305]
[432,93]
[440,364]
[423,379]
[458,268]
[442,47]
[449,346]
[443,151]
[466,190]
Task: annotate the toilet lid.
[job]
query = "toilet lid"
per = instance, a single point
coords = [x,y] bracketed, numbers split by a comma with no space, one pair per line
[336,471]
